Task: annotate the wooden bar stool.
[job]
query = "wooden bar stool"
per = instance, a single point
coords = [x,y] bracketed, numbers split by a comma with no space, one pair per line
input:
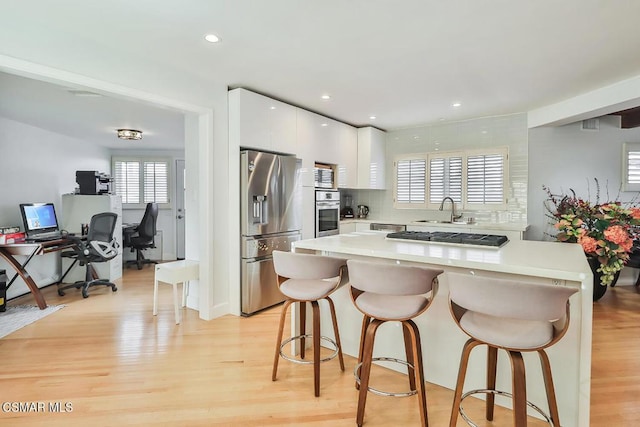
[513,316]
[391,292]
[306,278]
[173,273]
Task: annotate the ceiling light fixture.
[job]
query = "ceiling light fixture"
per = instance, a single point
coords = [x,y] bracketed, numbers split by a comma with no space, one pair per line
[130,134]
[325,97]
[372,117]
[456,104]
[212,38]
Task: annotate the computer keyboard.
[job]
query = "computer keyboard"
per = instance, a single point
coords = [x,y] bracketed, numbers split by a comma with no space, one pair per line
[47,238]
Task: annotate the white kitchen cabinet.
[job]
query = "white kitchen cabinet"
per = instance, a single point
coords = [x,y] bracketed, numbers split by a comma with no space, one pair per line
[347,227]
[371,159]
[78,209]
[347,164]
[363,226]
[308,138]
[308,212]
[259,122]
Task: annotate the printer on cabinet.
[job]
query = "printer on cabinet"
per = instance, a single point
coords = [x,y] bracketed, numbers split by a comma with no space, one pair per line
[94,183]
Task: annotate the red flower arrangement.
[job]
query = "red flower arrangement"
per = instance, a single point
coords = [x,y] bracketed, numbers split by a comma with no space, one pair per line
[605,231]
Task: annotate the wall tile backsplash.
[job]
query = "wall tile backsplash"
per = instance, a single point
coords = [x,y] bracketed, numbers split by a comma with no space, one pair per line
[510,130]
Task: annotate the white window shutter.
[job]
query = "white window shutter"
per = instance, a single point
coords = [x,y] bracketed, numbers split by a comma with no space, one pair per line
[410,181]
[127,180]
[156,182]
[485,179]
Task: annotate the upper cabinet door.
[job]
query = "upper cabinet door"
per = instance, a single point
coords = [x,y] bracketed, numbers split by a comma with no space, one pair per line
[347,165]
[371,158]
[256,121]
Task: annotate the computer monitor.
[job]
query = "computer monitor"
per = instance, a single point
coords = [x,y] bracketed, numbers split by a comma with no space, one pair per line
[38,218]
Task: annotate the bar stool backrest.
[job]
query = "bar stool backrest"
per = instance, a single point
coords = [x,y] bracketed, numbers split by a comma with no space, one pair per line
[391,279]
[293,265]
[509,298]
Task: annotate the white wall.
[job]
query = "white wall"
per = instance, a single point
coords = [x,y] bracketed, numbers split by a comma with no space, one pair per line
[509,130]
[40,166]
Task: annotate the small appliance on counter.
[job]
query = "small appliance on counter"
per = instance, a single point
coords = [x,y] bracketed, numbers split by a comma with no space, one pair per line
[363,211]
[347,211]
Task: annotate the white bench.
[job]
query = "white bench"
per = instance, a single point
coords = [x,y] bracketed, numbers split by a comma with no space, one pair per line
[175,272]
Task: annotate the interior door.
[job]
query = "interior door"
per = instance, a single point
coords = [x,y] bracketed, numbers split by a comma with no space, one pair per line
[180,209]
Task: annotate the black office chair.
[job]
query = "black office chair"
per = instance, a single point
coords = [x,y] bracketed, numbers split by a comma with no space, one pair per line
[143,236]
[99,246]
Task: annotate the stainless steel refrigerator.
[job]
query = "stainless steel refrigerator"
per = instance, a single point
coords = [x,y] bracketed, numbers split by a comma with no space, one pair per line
[270,219]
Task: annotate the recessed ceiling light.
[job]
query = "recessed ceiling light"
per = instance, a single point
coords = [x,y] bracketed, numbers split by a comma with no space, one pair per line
[325,97]
[130,134]
[272,108]
[456,104]
[372,117]
[324,124]
[484,131]
[212,38]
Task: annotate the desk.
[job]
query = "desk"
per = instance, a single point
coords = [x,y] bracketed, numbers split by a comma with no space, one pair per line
[128,230]
[10,251]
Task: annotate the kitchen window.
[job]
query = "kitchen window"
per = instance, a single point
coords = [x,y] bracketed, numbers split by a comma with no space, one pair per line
[140,181]
[631,167]
[475,179]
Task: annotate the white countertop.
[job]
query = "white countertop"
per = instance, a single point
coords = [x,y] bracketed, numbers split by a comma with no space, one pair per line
[555,260]
[444,225]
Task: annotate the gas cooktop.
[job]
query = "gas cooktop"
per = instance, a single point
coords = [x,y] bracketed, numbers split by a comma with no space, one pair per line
[450,237]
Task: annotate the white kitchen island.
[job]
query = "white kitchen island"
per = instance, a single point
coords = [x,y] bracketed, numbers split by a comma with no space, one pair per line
[561,264]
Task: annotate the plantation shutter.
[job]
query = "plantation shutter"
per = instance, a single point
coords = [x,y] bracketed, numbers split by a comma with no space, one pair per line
[485,179]
[633,167]
[445,179]
[411,181]
[156,182]
[127,180]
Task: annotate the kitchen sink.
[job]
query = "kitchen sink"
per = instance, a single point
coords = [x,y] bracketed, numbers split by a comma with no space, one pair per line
[433,221]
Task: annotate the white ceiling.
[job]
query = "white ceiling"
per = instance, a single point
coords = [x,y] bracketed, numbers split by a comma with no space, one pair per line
[404,62]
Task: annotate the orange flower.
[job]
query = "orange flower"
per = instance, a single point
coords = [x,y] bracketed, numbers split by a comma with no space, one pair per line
[616,234]
[635,213]
[589,244]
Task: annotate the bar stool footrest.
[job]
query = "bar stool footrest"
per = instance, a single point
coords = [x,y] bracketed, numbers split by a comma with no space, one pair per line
[308,362]
[382,392]
[499,393]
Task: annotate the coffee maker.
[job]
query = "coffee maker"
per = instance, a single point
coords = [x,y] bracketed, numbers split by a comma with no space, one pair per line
[347,211]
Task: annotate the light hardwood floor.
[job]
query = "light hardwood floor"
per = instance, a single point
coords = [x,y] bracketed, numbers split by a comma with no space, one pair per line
[118,365]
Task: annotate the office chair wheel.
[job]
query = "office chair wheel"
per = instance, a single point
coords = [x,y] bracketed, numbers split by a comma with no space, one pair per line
[114,288]
[60,293]
[85,294]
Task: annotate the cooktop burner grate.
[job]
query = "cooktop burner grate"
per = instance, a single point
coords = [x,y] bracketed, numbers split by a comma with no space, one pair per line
[450,237]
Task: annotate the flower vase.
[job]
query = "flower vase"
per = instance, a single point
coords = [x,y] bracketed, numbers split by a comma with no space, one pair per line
[598,289]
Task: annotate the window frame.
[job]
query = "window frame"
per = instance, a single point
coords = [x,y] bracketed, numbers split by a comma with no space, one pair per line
[141,160]
[627,148]
[464,154]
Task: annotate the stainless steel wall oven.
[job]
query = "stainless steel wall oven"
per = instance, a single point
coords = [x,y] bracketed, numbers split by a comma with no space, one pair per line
[327,212]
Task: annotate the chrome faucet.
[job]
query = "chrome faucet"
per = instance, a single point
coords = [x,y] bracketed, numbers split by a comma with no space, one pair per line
[453,208]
